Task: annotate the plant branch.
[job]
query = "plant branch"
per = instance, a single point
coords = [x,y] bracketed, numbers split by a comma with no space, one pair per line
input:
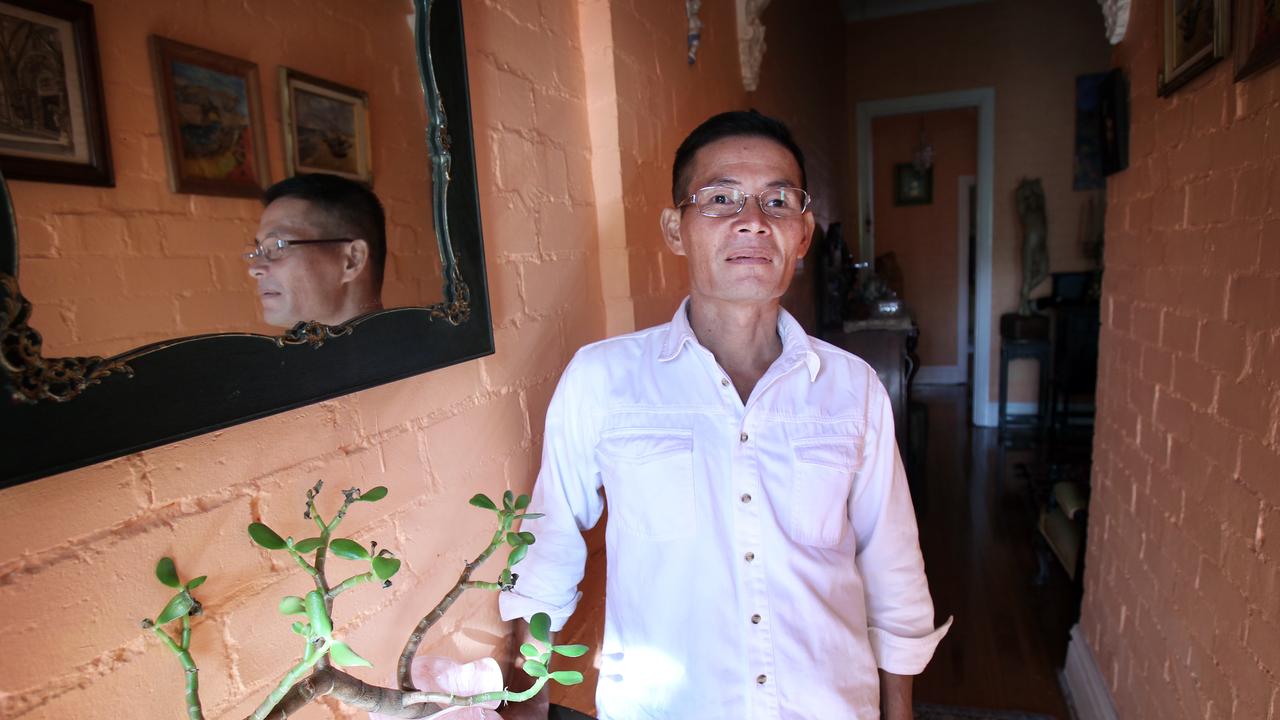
[350,691]
[286,684]
[347,584]
[404,668]
[194,710]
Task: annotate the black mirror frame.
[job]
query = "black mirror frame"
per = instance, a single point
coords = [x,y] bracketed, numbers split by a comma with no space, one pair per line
[57,414]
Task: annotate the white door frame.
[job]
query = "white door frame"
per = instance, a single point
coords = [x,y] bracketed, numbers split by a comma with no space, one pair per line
[957,373]
[984,99]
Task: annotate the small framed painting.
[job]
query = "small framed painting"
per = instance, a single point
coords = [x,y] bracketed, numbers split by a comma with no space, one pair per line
[1257,41]
[52,124]
[211,118]
[912,186]
[326,127]
[1196,35]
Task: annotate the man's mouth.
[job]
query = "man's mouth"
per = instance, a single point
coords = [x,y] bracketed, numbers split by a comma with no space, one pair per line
[750,257]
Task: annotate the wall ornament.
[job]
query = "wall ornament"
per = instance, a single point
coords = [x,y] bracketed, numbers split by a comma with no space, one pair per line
[1116,15]
[750,41]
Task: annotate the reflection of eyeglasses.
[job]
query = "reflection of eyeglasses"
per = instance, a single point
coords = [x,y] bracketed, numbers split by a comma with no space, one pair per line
[720,201]
[275,249]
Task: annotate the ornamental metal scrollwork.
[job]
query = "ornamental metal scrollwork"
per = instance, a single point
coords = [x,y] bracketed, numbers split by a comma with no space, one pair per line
[29,376]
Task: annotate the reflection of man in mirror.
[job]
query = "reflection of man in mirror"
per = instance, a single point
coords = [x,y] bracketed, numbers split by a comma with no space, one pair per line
[320,251]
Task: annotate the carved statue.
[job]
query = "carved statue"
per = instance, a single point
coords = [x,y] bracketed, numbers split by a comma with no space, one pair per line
[1035,246]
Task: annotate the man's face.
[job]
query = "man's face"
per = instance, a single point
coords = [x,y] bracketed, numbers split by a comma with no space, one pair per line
[305,283]
[749,257]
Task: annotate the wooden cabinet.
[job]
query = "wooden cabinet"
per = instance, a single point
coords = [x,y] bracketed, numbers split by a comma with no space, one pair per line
[888,345]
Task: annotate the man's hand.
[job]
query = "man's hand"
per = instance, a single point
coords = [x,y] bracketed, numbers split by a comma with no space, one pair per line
[895,696]
[538,706]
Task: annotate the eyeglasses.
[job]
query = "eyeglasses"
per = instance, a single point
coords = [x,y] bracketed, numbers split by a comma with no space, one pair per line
[275,249]
[720,201]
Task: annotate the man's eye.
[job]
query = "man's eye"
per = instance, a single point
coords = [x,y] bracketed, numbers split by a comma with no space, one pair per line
[776,202]
[721,199]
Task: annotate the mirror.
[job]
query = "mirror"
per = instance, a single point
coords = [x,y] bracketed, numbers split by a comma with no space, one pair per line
[130,315]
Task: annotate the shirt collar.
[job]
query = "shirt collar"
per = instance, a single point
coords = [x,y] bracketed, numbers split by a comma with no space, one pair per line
[796,347]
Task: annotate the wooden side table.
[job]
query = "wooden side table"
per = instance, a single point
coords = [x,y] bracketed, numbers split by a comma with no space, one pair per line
[1040,351]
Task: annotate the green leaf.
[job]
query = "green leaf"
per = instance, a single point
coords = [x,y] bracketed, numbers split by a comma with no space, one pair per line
[385,567]
[517,555]
[374,495]
[481,500]
[528,516]
[266,537]
[535,668]
[317,615]
[567,677]
[570,650]
[196,582]
[292,605]
[527,537]
[513,540]
[540,627]
[349,549]
[167,573]
[522,502]
[299,627]
[508,500]
[177,606]
[529,651]
[307,545]
[343,656]
[504,577]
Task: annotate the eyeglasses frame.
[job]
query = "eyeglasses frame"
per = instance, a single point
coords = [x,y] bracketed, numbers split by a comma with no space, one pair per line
[808,201]
[283,244]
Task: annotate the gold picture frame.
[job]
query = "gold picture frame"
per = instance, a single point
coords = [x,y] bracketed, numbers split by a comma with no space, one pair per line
[1196,35]
[326,127]
[211,119]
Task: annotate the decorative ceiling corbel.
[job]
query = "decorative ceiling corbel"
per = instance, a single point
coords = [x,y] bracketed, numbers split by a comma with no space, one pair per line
[750,40]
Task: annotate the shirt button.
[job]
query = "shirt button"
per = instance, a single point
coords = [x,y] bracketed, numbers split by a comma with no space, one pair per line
[742,437]
[724,382]
[755,619]
[749,556]
[746,497]
[760,679]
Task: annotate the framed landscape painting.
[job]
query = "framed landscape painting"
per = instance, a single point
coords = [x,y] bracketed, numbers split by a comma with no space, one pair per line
[1257,41]
[326,127]
[211,119]
[912,186]
[52,124]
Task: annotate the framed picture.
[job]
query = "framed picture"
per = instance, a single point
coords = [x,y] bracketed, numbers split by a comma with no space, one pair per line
[1195,37]
[1257,41]
[326,127]
[52,124]
[211,120]
[912,186]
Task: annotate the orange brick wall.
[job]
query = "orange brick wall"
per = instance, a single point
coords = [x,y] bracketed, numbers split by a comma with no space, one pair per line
[149,264]
[1182,577]
[1031,53]
[77,550]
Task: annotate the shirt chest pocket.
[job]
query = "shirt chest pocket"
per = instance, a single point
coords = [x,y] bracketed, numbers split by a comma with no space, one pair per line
[821,483]
[648,480]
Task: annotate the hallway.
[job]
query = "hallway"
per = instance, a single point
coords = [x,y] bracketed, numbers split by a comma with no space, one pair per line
[977,532]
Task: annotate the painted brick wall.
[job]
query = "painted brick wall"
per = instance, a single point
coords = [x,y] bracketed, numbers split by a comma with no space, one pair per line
[1182,578]
[151,264]
[76,550]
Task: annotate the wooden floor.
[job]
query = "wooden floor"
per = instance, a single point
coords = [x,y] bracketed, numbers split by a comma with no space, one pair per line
[977,532]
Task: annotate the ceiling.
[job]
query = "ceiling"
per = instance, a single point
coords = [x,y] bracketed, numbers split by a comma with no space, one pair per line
[855,10]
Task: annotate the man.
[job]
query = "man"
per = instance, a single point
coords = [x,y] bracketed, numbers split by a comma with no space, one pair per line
[320,251]
[762,551]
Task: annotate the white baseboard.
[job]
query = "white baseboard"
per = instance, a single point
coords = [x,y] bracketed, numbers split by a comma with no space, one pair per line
[940,375]
[1083,682]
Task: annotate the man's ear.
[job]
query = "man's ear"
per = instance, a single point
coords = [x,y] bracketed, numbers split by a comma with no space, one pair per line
[354,259]
[670,222]
[808,234]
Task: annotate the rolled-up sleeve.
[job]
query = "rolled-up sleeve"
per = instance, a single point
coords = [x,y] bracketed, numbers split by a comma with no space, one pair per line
[899,607]
[568,494]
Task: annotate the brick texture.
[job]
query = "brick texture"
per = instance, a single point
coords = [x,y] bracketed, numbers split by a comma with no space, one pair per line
[1187,257]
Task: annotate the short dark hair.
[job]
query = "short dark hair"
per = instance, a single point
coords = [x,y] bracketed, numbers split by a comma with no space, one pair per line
[349,205]
[734,123]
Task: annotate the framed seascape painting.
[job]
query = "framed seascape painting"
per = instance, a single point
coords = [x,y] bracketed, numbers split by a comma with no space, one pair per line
[326,127]
[1257,40]
[1196,35]
[211,118]
[52,124]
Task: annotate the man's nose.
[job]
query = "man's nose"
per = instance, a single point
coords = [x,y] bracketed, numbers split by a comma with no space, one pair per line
[258,268]
[751,219]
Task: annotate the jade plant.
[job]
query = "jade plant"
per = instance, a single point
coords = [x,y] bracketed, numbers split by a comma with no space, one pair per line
[317,671]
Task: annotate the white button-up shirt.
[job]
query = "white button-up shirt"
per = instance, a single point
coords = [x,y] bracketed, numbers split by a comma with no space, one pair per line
[763,558]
